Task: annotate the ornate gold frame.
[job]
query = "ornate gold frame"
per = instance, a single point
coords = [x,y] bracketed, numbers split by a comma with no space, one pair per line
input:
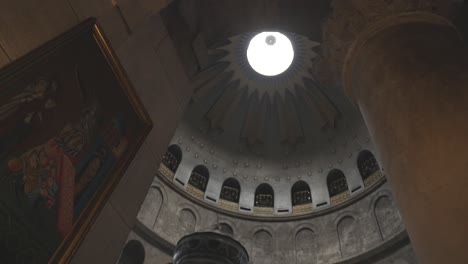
[71,243]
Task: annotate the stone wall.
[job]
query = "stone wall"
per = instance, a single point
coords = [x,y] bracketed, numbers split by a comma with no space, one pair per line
[358,232]
[220,171]
[153,67]
[139,37]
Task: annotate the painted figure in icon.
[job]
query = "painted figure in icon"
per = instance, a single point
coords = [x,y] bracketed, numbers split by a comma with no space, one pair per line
[46,173]
[63,174]
[24,112]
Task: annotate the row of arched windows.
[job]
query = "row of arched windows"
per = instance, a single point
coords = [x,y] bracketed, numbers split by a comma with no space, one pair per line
[264,194]
[367,164]
[199,177]
[172,158]
[300,194]
[231,190]
[336,182]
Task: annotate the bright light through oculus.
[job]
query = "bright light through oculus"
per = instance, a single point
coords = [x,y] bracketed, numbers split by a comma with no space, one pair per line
[270,53]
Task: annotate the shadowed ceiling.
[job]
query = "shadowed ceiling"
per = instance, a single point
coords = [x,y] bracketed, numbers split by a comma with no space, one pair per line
[297,125]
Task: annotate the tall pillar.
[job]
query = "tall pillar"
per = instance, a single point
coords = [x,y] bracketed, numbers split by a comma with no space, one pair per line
[409,76]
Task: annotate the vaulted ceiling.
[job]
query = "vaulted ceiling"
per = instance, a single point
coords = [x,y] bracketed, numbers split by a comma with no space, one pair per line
[297,124]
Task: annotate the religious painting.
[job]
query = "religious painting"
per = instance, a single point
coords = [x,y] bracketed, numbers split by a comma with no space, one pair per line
[70,125]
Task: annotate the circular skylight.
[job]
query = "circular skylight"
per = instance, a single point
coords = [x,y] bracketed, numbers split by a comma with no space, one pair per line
[270,53]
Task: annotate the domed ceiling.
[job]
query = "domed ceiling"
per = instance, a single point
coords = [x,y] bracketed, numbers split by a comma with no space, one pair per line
[268,103]
[272,131]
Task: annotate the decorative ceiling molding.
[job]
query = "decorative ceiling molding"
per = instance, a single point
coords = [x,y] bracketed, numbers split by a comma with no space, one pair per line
[304,56]
[267,98]
[255,119]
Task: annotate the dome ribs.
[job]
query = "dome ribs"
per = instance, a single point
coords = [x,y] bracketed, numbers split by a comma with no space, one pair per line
[316,99]
[256,98]
[206,81]
[290,125]
[226,105]
[254,126]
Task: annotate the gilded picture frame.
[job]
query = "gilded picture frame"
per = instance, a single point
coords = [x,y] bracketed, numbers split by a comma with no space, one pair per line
[71,123]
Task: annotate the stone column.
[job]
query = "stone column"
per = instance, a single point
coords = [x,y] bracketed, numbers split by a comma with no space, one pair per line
[409,76]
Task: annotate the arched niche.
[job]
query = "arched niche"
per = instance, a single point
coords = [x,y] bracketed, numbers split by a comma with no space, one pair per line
[368,166]
[387,216]
[231,190]
[199,178]
[349,236]
[226,229]
[300,194]
[306,246]
[172,158]
[262,248]
[264,196]
[336,183]
[151,207]
[187,222]
[133,253]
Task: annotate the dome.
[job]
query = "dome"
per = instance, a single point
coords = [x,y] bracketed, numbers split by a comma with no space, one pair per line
[248,130]
[281,161]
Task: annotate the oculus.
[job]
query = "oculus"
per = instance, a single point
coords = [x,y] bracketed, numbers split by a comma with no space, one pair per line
[270,53]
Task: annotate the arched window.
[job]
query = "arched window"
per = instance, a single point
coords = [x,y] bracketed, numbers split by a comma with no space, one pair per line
[133,253]
[172,157]
[264,196]
[367,164]
[199,178]
[336,182]
[231,190]
[300,194]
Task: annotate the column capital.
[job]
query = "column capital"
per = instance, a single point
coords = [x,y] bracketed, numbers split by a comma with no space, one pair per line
[209,247]
[377,28]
